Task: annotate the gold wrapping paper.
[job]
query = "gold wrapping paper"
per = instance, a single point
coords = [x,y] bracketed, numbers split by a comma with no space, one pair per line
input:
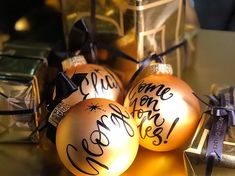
[191,35]
[195,155]
[137,28]
[22,86]
[191,28]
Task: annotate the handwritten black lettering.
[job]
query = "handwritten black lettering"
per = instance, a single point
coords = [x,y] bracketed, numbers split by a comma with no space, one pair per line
[88,159]
[94,80]
[157,133]
[144,101]
[108,83]
[97,83]
[81,86]
[98,138]
[149,101]
[160,90]
[118,115]
[94,145]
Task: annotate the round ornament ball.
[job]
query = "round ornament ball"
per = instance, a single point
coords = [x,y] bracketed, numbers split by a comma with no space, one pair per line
[97,137]
[97,82]
[165,111]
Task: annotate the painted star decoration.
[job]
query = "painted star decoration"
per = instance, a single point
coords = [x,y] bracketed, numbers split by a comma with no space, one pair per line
[94,107]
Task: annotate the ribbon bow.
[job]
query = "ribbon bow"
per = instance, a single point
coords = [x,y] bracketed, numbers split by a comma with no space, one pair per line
[222,111]
[64,88]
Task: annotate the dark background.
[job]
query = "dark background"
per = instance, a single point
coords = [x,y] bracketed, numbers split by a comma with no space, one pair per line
[44,20]
[216,14]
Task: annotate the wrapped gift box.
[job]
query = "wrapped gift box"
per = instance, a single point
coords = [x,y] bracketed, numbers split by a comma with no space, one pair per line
[22,90]
[21,48]
[197,156]
[136,28]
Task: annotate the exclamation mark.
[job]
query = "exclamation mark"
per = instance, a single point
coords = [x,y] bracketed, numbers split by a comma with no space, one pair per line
[172,127]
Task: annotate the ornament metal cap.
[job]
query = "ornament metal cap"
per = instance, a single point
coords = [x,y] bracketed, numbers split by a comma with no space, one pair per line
[161,68]
[73,62]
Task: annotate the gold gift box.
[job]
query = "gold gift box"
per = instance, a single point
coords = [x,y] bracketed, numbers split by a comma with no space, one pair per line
[136,28]
[195,156]
[22,86]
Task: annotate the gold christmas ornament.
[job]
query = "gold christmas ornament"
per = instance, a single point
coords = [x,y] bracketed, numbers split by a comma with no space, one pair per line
[164,109]
[99,82]
[97,137]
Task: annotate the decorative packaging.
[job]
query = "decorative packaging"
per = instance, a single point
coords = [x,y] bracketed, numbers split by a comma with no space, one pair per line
[22,91]
[35,50]
[40,51]
[212,150]
[191,34]
[26,49]
[130,29]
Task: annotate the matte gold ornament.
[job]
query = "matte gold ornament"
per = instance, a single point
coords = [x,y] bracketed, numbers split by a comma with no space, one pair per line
[97,137]
[99,82]
[165,110]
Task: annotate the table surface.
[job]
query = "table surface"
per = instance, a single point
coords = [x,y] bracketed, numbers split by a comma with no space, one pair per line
[214,62]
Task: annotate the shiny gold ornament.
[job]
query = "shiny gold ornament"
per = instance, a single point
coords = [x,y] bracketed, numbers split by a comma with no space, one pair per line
[97,137]
[100,82]
[165,111]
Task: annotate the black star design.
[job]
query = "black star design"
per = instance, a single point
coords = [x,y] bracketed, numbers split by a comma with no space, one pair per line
[94,107]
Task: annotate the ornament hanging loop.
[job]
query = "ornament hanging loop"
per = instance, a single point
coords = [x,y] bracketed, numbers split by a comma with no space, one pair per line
[70,62]
[156,58]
